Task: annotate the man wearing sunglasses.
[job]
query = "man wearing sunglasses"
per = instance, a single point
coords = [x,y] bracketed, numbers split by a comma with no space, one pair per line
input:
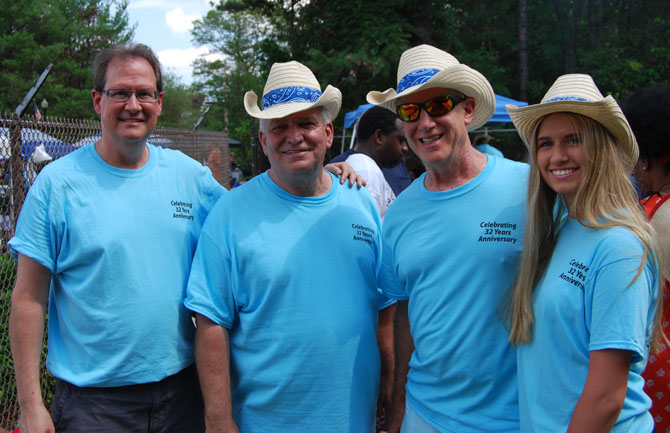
[452,242]
[107,235]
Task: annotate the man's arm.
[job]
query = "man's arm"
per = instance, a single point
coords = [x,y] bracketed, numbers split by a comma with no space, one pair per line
[604,392]
[26,334]
[212,356]
[386,352]
[404,346]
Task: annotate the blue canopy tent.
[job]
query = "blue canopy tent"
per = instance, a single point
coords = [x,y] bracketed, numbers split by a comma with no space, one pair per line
[154,139]
[499,115]
[30,139]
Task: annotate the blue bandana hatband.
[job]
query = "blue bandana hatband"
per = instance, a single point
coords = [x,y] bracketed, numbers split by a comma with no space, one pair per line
[566,98]
[287,95]
[415,78]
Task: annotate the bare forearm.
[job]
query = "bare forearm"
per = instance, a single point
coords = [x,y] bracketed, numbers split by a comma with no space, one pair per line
[604,392]
[26,333]
[212,355]
[26,328]
[594,414]
[404,346]
[385,341]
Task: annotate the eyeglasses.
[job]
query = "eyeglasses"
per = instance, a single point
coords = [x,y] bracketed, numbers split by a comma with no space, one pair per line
[123,95]
[435,107]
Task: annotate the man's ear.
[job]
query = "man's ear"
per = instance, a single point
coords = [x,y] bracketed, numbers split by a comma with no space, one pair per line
[262,139]
[468,110]
[379,137]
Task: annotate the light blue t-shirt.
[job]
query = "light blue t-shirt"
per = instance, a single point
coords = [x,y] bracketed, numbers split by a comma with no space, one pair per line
[119,245]
[454,254]
[294,279]
[583,302]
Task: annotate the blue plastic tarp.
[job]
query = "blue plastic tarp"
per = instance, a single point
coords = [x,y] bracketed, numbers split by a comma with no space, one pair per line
[30,139]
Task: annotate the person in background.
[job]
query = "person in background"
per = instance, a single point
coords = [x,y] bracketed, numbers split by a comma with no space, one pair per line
[398,176]
[481,143]
[381,144]
[284,281]
[452,241]
[586,305]
[647,111]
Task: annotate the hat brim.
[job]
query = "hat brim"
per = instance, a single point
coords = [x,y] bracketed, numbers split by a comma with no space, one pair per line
[459,77]
[605,111]
[330,100]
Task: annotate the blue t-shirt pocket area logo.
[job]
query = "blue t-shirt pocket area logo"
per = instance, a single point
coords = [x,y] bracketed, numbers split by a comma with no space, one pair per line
[182,210]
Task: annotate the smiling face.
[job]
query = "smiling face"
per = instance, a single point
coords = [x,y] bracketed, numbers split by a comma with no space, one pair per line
[126,125]
[296,146]
[559,153]
[438,141]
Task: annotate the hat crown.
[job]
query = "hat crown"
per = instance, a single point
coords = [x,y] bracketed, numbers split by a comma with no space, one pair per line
[292,87]
[424,57]
[573,87]
[290,74]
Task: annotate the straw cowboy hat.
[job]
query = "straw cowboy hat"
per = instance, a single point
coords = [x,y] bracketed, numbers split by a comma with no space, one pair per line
[291,87]
[576,93]
[425,67]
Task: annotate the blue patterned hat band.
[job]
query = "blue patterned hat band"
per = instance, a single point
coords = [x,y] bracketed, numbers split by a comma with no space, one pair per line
[566,98]
[287,95]
[415,78]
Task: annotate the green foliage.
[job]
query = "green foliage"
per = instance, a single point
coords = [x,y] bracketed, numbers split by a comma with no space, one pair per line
[181,105]
[67,33]
[234,37]
[7,276]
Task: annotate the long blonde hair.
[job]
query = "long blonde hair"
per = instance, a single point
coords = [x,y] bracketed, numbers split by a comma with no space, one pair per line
[605,198]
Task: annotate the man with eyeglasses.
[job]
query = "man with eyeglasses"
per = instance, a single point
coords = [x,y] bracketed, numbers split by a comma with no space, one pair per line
[107,235]
[452,242]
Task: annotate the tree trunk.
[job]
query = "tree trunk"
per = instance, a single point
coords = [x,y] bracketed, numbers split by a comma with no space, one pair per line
[523,49]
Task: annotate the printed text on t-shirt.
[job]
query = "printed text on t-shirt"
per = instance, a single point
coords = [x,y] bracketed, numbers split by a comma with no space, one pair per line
[493,231]
[576,274]
[363,233]
[182,210]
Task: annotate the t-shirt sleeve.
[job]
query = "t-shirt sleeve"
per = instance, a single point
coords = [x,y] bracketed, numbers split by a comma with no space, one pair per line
[209,290]
[389,281]
[35,233]
[621,312]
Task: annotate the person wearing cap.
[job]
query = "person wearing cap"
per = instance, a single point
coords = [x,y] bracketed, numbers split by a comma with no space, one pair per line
[647,111]
[585,308]
[284,280]
[452,241]
[105,240]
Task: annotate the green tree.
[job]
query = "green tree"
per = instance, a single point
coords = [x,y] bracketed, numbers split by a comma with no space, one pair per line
[234,38]
[67,33]
[181,104]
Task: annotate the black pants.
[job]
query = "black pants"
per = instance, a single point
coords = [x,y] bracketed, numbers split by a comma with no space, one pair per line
[173,405]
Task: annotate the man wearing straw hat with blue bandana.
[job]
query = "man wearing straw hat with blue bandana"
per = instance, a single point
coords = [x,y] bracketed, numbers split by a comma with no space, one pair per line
[286,340]
[452,243]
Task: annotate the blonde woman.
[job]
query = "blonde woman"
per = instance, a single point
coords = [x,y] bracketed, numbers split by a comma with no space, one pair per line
[585,307]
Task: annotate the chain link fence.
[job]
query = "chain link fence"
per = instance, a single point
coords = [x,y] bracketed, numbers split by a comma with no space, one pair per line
[26,145]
